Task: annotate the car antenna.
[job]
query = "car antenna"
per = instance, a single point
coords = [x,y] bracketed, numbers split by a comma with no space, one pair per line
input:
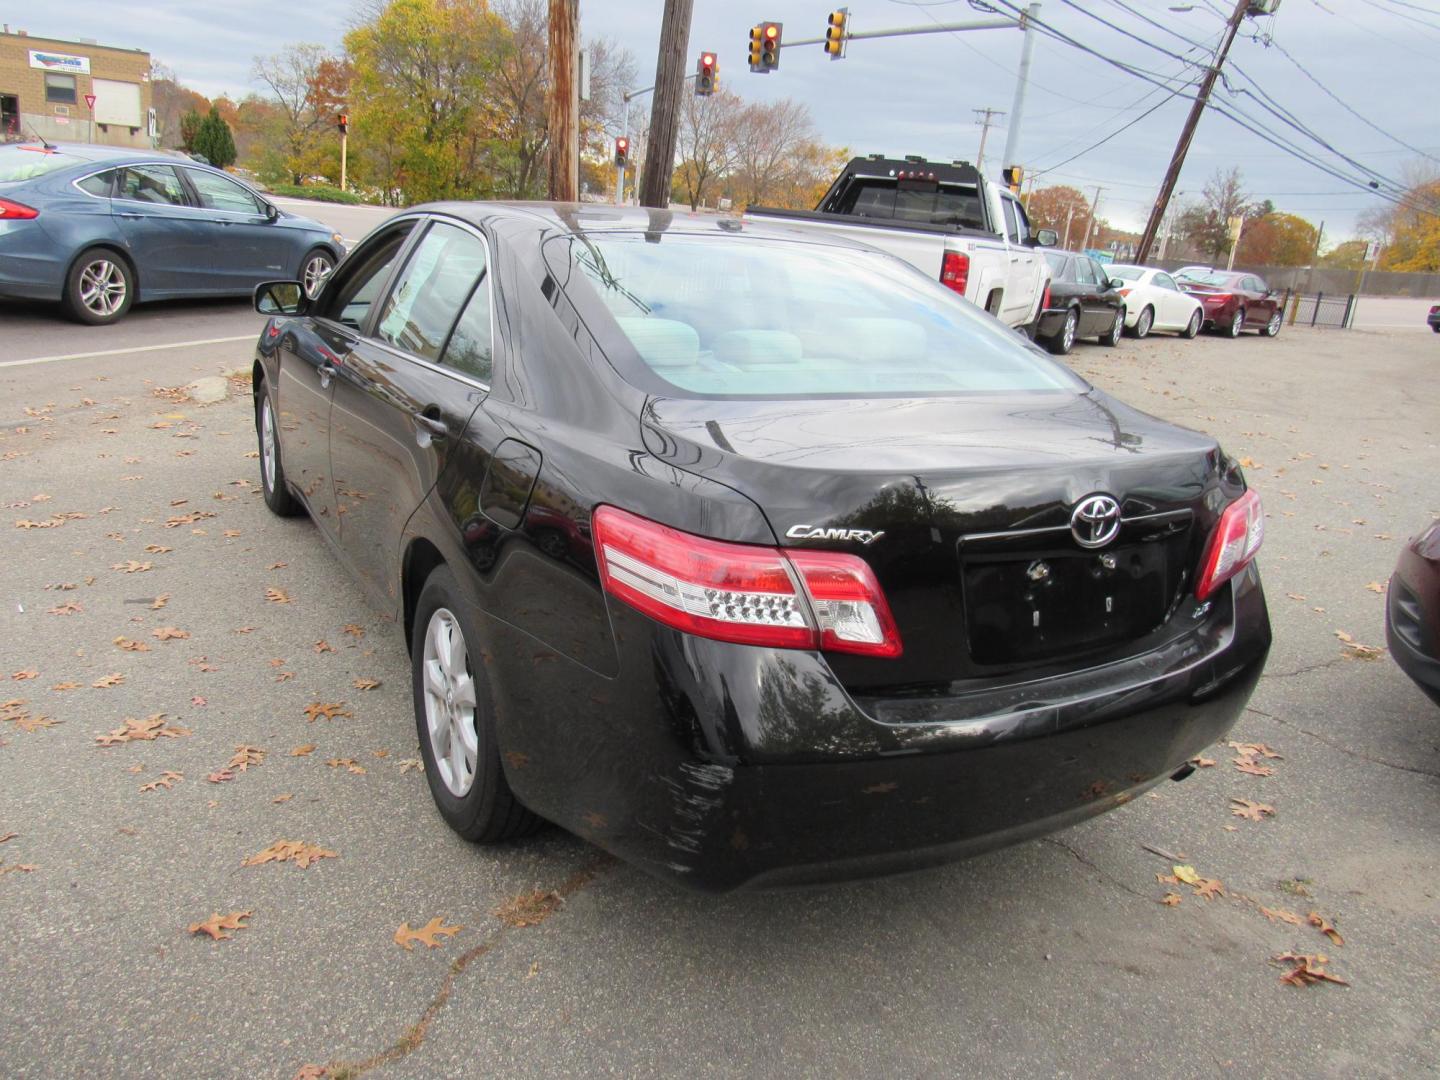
[46,143]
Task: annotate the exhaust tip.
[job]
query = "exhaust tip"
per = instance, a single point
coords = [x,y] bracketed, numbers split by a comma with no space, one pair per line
[1182,772]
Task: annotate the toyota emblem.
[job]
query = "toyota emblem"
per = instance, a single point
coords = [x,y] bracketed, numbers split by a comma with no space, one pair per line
[1096,521]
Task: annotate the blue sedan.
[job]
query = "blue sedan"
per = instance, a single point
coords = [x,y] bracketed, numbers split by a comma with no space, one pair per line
[100,229]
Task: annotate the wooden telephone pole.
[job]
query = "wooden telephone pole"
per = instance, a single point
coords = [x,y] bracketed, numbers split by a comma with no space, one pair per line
[665,110]
[1182,147]
[564,111]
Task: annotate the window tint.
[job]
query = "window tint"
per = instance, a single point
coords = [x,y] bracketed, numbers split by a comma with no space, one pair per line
[1165,281]
[1084,271]
[1101,272]
[732,316]
[948,204]
[1012,230]
[347,296]
[60,88]
[218,192]
[99,184]
[151,184]
[469,348]
[431,289]
[1059,265]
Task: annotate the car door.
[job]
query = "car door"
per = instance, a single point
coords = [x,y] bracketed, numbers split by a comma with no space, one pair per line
[314,350]
[1172,310]
[1022,282]
[1261,304]
[164,234]
[248,246]
[1095,314]
[400,410]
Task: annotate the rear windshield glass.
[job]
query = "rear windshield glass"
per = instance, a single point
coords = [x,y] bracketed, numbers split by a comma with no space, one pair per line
[1127,273]
[26,162]
[1206,277]
[728,316]
[927,204]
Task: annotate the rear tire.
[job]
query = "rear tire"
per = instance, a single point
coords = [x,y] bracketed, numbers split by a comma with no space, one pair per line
[99,288]
[1063,341]
[1112,337]
[1144,323]
[1192,328]
[272,468]
[453,702]
[1436,328]
[1237,323]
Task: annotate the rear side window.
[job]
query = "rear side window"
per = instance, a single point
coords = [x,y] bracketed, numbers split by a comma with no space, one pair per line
[99,184]
[470,346]
[1059,265]
[151,184]
[1165,281]
[432,288]
[733,316]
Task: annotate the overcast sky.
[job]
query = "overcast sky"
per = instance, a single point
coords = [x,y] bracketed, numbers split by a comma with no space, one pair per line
[916,94]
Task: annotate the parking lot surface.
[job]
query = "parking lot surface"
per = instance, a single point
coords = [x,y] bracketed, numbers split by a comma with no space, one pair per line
[142,577]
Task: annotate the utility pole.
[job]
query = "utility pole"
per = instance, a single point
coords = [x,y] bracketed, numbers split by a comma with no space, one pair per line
[1187,133]
[1069,214]
[983,117]
[564,111]
[665,111]
[1094,208]
[1017,108]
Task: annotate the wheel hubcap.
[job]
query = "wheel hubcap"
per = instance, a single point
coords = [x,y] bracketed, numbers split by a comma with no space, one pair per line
[450,703]
[102,287]
[1144,323]
[1274,324]
[1070,329]
[267,445]
[316,271]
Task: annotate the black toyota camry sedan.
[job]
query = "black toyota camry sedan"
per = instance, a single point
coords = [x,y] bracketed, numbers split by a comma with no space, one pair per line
[751,558]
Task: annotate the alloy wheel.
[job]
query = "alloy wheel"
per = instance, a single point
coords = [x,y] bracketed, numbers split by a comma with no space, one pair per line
[1067,336]
[102,287]
[1194,326]
[1273,326]
[1237,323]
[267,445]
[1142,326]
[317,269]
[450,702]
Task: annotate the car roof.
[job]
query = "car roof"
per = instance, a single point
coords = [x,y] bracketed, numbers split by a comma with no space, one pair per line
[91,154]
[599,219]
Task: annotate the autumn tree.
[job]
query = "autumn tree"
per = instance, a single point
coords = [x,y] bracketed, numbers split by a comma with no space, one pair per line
[296,82]
[171,101]
[1277,239]
[1414,233]
[1349,255]
[707,142]
[776,153]
[1206,226]
[214,141]
[1062,208]
[190,124]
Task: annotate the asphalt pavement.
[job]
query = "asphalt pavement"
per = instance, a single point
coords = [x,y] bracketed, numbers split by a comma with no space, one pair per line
[1052,958]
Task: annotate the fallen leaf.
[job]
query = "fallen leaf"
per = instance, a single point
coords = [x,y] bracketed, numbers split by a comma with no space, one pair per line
[1307,969]
[277,566]
[411,764]
[1209,888]
[159,601]
[1376,586]
[130,645]
[277,596]
[328,710]
[1325,927]
[105,682]
[349,764]
[1251,810]
[366,684]
[426,935]
[301,751]
[220,776]
[152,727]
[354,630]
[245,756]
[158,549]
[30,673]
[1252,768]
[1171,899]
[199,701]
[310,1071]
[167,780]
[169,633]
[296,851]
[283,798]
[243,630]
[323,646]
[70,607]
[1281,915]
[528,909]
[1187,874]
[133,567]
[217,924]
[17,868]
[8,836]
[66,686]
[1202,762]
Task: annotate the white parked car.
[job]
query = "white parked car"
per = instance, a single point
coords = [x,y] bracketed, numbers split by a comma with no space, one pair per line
[1153,301]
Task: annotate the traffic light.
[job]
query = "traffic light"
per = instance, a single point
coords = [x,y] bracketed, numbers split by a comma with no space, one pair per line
[835,33]
[622,151]
[755,48]
[707,74]
[770,46]
[1012,175]
[343,123]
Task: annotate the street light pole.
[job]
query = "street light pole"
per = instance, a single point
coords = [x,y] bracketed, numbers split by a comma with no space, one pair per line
[1017,108]
[1182,147]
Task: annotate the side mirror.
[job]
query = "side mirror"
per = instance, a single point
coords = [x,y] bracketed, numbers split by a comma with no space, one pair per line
[279,298]
[1047,238]
[1117,283]
[272,212]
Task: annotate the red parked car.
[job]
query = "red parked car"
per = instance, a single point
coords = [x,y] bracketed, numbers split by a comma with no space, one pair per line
[1234,301]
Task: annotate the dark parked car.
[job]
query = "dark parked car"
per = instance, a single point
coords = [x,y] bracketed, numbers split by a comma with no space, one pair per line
[1412,611]
[1234,301]
[1433,319]
[1081,301]
[101,229]
[854,579]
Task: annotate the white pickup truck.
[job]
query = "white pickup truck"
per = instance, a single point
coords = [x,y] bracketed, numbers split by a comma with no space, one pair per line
[946,220]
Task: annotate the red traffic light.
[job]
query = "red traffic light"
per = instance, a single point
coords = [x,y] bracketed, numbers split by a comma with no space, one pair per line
[707,59]
[772,30]
[622,144]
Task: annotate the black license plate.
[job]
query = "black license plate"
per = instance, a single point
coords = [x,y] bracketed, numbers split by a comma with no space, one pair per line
[1042,606]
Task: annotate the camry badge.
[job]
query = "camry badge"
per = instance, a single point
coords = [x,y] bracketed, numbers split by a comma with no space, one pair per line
[1096,521]
[817,532]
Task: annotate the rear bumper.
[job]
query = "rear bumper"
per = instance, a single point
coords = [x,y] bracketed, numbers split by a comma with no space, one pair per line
[753,767]
[30,266]
[1050,322]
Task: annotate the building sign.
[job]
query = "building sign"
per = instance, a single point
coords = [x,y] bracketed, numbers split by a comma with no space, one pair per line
[75,65]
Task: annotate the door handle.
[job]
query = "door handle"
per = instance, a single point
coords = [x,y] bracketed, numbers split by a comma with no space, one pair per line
[325,371]
[430,426]
[128,214]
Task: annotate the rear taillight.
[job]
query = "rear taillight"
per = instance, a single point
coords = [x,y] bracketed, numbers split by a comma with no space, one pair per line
[14,211]
[744,593]
[1124,292]
[1434,308]
[1045,300]
[1215,298]
[955,271]
[1233,544]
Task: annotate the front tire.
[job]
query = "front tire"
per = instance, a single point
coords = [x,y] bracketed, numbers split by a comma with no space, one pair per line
[1237,323]
[1061,343]
[315,268]
[272,468]
[1272,328]
[1192,328]
[1144,323]
[1112,337]
[455,719]
[99,288]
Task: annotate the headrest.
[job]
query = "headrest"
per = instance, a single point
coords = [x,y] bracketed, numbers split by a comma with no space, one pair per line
[662,343]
